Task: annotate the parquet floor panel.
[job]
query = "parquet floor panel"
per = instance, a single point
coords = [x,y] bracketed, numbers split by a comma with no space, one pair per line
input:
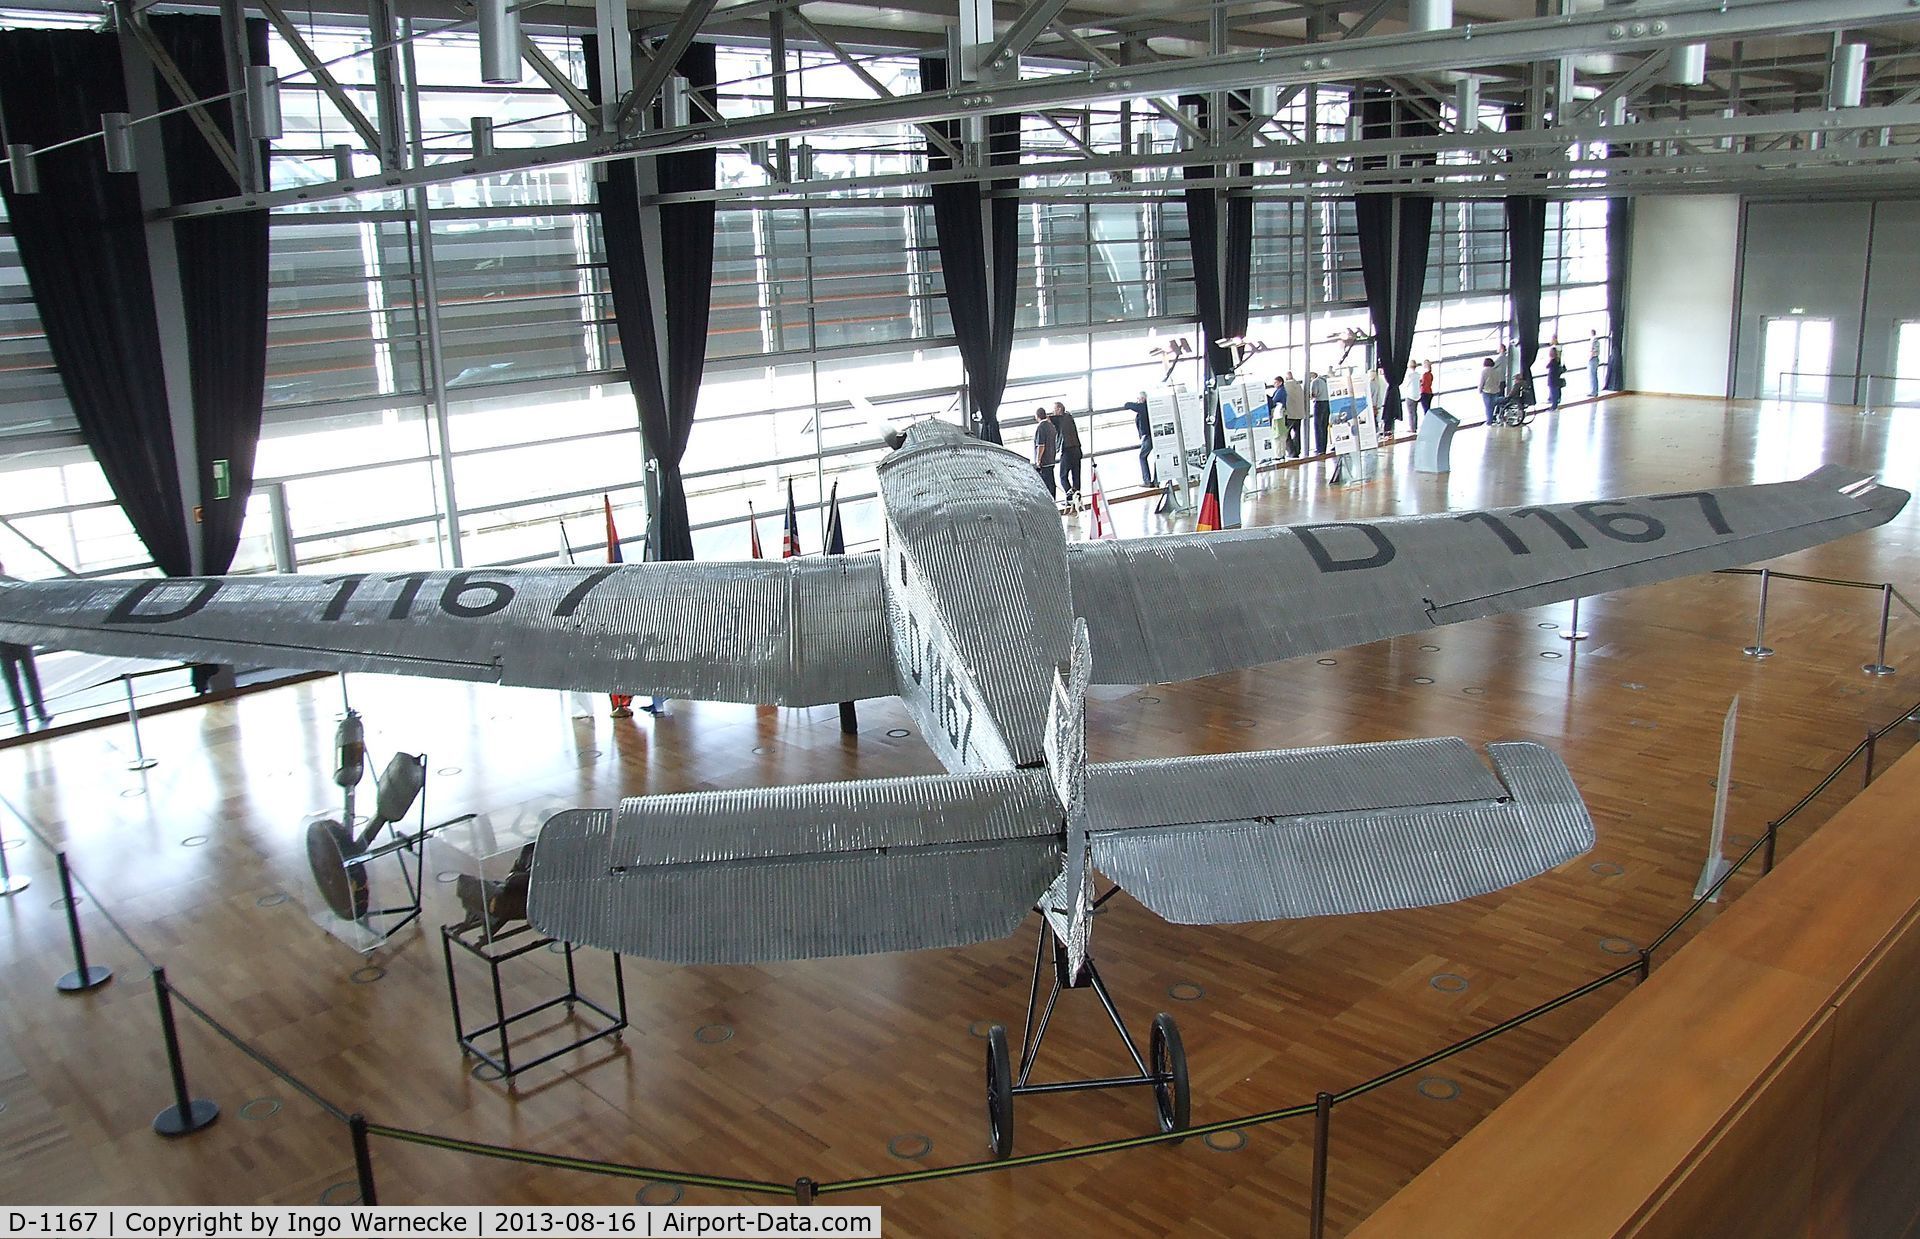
[828,1060]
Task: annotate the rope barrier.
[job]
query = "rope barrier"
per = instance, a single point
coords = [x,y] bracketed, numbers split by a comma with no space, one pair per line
[556,1161]
[767,1187]
[239,1043]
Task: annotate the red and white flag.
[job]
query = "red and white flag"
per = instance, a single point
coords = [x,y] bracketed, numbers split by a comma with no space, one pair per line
[1102,518]
[622,702]
[753,531]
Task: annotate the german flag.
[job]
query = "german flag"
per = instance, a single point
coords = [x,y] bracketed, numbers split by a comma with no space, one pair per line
[1209,505]
[622,702]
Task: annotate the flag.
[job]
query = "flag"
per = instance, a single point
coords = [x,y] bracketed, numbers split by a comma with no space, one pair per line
[836,541]
[1209,505]
[1102,518]
[1217,438]
[622,702]
[790,539]
[566,545]
[753,531]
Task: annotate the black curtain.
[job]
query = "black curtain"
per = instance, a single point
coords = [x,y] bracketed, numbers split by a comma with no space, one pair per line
[83,245]
[1526,247]
[223,285]
[1220,294]
[1394,271]
[1394,266]
[982,316]
[1619,244]
[665,402]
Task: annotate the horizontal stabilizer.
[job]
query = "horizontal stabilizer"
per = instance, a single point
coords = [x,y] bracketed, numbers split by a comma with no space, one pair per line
[1319,832]
[802,872]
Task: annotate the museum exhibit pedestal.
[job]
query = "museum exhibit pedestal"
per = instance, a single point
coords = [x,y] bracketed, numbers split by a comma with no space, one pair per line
[1433,445]
[498,947]
[1227,470]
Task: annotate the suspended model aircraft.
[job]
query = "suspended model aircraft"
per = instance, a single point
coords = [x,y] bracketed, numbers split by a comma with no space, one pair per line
[991,626]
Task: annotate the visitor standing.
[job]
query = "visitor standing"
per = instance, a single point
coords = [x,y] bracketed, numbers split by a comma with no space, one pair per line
[1046,448]
[1426,388]
[1069,433]
[1143,424]
[1490,385]
[1322,411]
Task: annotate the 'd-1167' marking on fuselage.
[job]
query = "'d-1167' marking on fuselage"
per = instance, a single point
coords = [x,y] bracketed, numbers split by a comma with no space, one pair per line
[930,670]
[1614,520]
[465,595]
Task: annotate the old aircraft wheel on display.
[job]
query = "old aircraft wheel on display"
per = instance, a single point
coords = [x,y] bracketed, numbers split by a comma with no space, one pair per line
[1000,1093]
[1169,1062]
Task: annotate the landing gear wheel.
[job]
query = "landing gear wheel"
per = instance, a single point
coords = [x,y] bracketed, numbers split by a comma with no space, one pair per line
[1169,1063]
[1000,1093]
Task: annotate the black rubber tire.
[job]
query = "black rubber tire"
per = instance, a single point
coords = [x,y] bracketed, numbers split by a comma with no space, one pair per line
[999,1094]
[1171,1100]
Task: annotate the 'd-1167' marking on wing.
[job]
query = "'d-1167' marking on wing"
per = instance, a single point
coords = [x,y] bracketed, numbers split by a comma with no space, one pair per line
[465,595]
[1575,527]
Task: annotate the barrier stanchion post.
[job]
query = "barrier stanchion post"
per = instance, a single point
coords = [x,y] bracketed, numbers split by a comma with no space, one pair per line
[1759,648]
[1773,835]
[187,1114]
[362,1159]
[804,1190]
[10,885]
[1322,1121]
[83,977]
[140,759]
[1872,742]
[1879,664]
[1573,631]
[1646,963]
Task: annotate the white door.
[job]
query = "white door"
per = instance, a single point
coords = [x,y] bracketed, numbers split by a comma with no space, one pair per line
[1906,364]
[1796,358]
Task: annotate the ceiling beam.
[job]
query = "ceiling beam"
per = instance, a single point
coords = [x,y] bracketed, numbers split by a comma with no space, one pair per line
[1349,60]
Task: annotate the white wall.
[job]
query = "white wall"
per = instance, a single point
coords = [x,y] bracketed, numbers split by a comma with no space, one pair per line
[1680,278]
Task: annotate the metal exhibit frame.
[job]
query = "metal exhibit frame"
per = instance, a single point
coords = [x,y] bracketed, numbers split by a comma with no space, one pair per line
[403,848]
[501,1026]
[1167,1074]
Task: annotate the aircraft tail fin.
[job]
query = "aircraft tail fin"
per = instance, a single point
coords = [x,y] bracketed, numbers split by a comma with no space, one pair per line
[1317,832]
[1069,902]
[801,872]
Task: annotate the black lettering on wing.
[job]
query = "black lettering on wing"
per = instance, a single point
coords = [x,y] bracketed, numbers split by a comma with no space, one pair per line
[1326,560]
[124,611]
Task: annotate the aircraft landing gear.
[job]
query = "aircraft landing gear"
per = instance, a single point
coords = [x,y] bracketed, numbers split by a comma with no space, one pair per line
[1164,1069]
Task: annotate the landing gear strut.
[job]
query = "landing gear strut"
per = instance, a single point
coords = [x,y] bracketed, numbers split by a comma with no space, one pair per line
[1164,1069]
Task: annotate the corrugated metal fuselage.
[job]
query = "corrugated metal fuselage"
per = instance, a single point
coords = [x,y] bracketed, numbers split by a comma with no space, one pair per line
[978,599]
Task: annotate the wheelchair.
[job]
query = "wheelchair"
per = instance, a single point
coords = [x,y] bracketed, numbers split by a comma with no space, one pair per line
[1516,407]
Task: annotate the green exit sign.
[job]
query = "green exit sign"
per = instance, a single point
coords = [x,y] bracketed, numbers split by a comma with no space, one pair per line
[222,480]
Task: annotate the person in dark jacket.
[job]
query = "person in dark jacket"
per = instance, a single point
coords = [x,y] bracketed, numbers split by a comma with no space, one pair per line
[1046,447]
[1556,376]
[1143,423]
[1069,433]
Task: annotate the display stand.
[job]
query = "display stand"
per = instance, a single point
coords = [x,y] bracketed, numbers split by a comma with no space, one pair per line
[1227,472]
[1433,445]
[496,946]
[1178,418]
[341,855]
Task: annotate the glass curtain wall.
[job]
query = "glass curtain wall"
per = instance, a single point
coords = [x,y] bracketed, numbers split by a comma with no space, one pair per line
[444,366]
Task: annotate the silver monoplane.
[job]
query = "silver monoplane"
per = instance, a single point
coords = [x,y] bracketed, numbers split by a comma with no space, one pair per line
[991,626]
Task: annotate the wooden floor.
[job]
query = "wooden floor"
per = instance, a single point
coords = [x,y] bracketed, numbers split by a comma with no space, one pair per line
[829,1060]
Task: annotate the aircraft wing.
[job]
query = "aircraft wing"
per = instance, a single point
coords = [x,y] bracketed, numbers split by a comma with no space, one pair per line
[1172,608]
[781,632]
[821,869]
[1233,837]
